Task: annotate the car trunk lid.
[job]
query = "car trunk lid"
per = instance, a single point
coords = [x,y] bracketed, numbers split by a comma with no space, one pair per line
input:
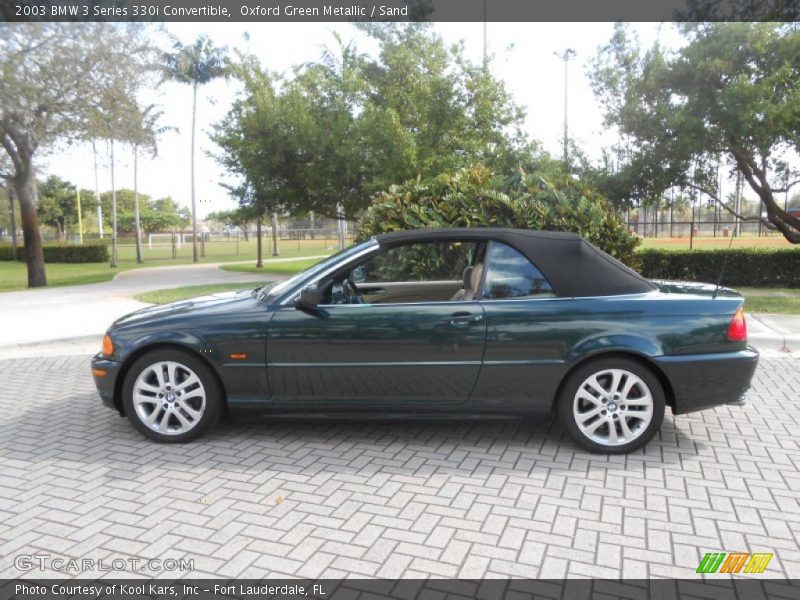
[693,288]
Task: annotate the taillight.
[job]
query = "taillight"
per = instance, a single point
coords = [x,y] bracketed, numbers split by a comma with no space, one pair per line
[737,330]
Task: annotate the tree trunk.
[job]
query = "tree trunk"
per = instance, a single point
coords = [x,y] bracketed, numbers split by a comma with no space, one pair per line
[275,250]
[34,255]
[259,249]
[340,226]
[13,217]
[194,202]
[671,208]
[756,177]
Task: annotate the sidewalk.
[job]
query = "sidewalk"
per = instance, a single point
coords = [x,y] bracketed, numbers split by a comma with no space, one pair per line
[779,333]
[77,314]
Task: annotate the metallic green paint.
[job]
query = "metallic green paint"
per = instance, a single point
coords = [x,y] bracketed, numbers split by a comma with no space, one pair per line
[375,354]
[476,357]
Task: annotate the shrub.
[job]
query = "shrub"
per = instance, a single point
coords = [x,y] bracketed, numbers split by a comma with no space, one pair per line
[6,252]
[63,253]
[771,267]
[476,198]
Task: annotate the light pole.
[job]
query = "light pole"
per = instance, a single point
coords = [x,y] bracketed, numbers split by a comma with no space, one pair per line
[565,56]
[113,212]
[97,194]
[485,55]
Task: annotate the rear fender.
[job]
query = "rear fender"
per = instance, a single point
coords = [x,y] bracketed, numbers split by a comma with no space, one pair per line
[614,343]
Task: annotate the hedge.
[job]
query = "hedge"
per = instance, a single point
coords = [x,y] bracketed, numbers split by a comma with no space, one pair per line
[63,253]
[768,267]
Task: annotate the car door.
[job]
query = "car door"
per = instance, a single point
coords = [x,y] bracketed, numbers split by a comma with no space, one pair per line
[383,351]
[528,329]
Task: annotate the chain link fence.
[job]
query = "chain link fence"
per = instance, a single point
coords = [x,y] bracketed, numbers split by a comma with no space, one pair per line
[221,244]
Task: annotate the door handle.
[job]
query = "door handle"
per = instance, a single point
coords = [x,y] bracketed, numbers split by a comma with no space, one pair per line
[464,319]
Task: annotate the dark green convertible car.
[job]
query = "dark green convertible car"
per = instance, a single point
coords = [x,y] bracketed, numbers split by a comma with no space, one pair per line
[435,322]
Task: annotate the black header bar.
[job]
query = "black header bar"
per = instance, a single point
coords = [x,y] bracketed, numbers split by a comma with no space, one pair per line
[399,10]
[403,589]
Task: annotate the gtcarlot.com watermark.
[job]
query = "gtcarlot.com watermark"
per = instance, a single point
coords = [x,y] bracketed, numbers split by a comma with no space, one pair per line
[46,562]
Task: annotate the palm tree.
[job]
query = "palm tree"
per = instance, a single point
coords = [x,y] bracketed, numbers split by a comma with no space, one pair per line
[145,136]
[196,65]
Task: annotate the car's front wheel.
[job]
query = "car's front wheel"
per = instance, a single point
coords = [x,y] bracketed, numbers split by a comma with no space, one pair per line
[171,396]
[612,405]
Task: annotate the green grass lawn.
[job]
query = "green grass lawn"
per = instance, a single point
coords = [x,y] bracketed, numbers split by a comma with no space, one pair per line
[193,291]
[774,305]
[283,268]
[14,275]
[771,300]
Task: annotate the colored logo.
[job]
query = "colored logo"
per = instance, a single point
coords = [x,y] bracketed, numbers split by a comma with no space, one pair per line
[734,562]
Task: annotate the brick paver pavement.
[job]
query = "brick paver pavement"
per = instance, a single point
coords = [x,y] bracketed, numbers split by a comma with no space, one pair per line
[452,499]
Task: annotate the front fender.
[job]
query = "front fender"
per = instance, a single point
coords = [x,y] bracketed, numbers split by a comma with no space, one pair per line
[185,339]
[128,350]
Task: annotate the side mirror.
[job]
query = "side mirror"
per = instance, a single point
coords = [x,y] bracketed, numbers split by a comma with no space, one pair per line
[309,297]
[359,274]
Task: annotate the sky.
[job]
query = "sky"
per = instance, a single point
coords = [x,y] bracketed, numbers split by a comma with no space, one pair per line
[523,58]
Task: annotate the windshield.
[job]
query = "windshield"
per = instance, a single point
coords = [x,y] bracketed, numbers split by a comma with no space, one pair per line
[271,291]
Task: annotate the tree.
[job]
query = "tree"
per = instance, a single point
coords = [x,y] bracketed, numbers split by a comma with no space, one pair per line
[347,126]
[196,65]
[257,144]
[546,198]
[154,215]
[729,97]
[144,135]
[241,217]
[58,204]
[59,82]
[429,109]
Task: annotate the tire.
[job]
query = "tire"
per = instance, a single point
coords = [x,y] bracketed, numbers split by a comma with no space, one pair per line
[614,392]
[171,396]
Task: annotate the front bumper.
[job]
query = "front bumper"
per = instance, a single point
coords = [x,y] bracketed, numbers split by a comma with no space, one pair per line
[701,381]
[106,384]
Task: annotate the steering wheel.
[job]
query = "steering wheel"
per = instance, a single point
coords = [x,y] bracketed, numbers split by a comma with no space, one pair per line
[350,292]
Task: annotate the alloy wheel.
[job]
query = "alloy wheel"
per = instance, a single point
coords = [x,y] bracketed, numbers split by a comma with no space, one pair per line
[169,398]
[613,407]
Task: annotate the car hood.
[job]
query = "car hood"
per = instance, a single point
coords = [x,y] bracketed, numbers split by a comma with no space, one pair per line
[693,288]
[194,307]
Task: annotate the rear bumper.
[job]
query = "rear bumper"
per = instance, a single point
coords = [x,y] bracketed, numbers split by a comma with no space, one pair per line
[106,384]
[705,380]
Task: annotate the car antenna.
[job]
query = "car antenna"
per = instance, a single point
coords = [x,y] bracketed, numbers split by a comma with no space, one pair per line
[722,269]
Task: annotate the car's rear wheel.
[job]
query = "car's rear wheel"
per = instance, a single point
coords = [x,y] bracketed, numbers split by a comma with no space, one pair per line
[171,396]
[612,405]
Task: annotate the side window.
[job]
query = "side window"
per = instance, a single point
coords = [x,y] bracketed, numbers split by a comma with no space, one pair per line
[509,274]
[436,261]
[416,272]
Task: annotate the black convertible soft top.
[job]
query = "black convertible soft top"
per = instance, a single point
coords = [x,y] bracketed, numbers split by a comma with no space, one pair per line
[574,267]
